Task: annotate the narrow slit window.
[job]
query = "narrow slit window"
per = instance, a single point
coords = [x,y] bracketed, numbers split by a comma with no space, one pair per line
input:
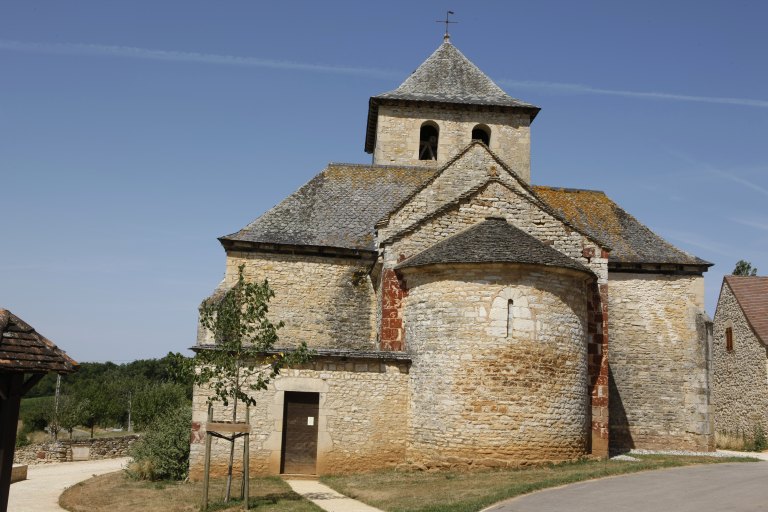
[482,133]
[510,318]
[428,137]
[729,339]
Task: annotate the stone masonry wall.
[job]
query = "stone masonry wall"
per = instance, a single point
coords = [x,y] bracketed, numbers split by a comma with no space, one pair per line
[327,302]
[497,200]
[397,135]
[61,451]
[659,396]
[740,377]
[362,420]
[495,384]
[470,170]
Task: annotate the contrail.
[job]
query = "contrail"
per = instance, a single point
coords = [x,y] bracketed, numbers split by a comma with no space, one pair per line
[234,60]
[587,89]
[175,56]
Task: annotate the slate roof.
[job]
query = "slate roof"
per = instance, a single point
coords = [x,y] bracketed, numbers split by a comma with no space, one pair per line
[492,241]
[447,76]
[751,293]
[22,349]
[337,208]
[630,241]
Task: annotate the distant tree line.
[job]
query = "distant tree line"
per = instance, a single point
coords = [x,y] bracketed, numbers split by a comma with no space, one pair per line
[108,395]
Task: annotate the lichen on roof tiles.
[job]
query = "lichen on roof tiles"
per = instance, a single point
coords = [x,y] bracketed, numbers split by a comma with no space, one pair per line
[630,241]
[336,208]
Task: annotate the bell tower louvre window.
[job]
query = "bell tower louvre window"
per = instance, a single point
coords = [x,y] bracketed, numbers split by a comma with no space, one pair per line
[428,136]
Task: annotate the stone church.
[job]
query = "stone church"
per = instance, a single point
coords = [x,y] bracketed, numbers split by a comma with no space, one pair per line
[461,315]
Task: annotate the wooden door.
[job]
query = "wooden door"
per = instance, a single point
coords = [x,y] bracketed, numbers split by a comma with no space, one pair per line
[299,454]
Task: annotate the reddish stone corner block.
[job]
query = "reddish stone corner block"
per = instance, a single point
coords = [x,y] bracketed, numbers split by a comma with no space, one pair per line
[597,354]
[197,435]
[393,292]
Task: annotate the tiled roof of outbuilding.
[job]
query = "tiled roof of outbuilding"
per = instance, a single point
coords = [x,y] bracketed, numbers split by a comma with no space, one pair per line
[493,241]
[22,349]
[630,241]
[337,208]
[751,292]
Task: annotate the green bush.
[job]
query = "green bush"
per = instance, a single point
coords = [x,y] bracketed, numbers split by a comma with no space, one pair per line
[150,401]
[759,440]
[162,453]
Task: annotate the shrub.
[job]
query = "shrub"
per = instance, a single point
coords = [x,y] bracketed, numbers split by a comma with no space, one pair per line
[162,453]
[759,441]
[150,401]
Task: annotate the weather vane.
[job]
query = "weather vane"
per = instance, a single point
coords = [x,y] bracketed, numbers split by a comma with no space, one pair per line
[447,36]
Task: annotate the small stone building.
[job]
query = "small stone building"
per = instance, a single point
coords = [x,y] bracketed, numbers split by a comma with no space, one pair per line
[461,315]
[740,355]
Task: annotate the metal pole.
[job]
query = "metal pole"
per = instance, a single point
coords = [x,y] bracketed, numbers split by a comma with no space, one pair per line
[207,469]
[56,409]
[246,456]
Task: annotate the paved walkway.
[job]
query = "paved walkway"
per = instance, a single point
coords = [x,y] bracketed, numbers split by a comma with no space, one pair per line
[328,499]
[45,482]
[732,487]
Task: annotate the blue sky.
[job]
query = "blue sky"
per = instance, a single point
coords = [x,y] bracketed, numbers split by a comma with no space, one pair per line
[133,134]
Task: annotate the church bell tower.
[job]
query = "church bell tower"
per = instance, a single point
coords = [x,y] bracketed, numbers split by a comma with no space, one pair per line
[441,108]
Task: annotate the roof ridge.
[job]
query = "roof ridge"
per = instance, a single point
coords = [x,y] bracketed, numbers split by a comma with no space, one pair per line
[493,240]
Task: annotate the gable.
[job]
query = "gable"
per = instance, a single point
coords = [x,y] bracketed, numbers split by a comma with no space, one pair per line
[472,168]
[751,293]
[495,199]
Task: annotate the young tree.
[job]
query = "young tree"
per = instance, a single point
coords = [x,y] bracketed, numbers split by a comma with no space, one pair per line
[242,360]
[744,268]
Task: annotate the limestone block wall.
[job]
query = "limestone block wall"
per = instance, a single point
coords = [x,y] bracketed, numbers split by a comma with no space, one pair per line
[658,356]
[327,302]
[362,421]
[497,200]
[397,135]
[494,384]
[740,377]
[468,172]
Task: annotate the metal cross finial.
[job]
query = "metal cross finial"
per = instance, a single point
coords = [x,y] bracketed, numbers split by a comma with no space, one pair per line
[447,36]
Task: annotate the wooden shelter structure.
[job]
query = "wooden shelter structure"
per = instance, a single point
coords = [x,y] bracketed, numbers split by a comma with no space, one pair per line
[25,357]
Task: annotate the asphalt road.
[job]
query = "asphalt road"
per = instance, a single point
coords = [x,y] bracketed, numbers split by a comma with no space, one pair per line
[729,487]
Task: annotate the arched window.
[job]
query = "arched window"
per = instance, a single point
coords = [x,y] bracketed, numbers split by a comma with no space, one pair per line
[428,141]
[482,133]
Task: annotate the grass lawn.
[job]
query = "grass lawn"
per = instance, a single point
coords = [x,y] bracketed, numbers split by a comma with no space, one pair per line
[469,491]
[115,492]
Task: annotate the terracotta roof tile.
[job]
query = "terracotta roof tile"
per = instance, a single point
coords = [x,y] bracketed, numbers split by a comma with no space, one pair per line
[22,349]
[751,292]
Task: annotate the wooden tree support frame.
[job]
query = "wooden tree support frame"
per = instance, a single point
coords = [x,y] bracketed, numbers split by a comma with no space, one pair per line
[236,431]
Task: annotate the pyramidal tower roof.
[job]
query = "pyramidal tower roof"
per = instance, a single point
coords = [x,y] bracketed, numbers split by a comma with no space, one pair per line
[447,76]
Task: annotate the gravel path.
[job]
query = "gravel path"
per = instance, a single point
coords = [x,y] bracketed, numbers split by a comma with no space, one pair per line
[45,482]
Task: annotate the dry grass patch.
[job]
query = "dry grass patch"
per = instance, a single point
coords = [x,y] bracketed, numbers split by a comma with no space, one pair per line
[115,492]
[469,491]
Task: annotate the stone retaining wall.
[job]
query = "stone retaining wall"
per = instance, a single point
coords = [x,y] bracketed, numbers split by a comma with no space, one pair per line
[61,451]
